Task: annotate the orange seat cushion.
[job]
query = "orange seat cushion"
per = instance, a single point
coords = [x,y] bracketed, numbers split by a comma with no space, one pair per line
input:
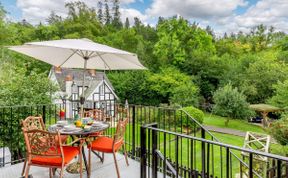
[68,151]
[104,144]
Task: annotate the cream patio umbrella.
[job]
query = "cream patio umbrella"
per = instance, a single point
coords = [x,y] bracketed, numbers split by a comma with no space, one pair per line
[80,53]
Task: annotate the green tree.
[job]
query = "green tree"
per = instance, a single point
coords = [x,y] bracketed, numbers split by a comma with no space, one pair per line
[54,18]
[107,16]
[100,12]
[280,98]
[178,40]
[4,34]
[169,82]
[261,75]
[127,23]
[116,22]
[134,86]
[22,87]
[231,103]
[185,95]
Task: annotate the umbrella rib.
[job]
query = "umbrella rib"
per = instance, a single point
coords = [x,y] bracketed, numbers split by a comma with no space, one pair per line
[68,57]
[103,60]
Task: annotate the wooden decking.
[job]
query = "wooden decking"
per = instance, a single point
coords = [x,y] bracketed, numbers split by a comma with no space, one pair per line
[99,170]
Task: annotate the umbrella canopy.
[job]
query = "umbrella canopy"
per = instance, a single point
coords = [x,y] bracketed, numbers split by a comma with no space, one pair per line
[80,53]
[69,53]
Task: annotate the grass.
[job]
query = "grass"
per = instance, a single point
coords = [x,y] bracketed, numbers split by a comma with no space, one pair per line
[184,145]
[242,125]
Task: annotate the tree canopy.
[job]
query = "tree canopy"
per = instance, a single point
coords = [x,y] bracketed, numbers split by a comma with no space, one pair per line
[186,63]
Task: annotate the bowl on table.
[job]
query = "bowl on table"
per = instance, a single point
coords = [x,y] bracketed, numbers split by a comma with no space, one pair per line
[86,120]
[87,128]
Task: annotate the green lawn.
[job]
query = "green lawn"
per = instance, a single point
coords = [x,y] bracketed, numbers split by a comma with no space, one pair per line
[242,125]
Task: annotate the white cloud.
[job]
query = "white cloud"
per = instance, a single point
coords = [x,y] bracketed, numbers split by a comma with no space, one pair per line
[35,11]
[221,15]
[194,8]
[38,11]
[131,13]
[267,12]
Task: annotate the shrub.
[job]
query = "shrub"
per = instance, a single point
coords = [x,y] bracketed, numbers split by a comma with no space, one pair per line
[229,102]
[279,130]
[185,121]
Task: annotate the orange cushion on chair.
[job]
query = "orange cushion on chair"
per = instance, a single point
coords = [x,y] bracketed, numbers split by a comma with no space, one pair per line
[68,151]
[104,144]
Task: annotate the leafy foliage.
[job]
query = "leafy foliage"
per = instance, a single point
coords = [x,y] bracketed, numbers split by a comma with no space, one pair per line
[195,113]
[279,130]
[172,85]
[185,61]
[229,102]
[21,89]
[280,98]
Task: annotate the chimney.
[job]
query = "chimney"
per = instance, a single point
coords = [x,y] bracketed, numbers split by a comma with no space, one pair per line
[68,78]
[92,72]
[68,85]
[58,70]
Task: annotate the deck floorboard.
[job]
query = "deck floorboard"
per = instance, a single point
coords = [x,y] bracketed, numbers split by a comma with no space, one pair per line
[99,170]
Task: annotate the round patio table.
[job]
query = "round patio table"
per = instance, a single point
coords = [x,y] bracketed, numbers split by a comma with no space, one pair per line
[81,133]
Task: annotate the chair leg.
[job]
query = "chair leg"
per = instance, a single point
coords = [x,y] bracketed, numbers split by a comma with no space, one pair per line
[50,173]
[61,172]
[116,165]
[81,164]
[54,171]
[102,157]
[24,167]
[89,162]
[125,153]
[27,170]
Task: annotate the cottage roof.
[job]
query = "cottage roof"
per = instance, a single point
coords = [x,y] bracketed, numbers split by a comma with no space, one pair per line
[77,75]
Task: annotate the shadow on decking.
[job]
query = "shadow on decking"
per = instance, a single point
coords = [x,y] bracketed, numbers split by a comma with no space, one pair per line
[99,170]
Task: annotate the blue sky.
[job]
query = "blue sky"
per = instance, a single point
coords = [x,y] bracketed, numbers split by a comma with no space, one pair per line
[222,15]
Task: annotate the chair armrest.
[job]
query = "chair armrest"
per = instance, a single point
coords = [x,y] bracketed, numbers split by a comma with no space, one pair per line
[101,136]
[81,140]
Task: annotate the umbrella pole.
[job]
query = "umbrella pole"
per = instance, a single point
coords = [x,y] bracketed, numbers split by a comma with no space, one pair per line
[82,98]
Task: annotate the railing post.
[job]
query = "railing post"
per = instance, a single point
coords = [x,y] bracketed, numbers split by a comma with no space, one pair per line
[133,130]
[143,152]
[203,153]
[251,165]
[227,161]
[154,154]
[44,113]
[177,156]
[279,173]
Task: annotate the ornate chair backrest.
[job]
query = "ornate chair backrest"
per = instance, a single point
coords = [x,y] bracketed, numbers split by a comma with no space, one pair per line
[96,114]
[42,143]
[120,131]
[32,122]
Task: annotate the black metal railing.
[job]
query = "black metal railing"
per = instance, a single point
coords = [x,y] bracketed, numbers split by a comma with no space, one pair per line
[169,119]
[203,164]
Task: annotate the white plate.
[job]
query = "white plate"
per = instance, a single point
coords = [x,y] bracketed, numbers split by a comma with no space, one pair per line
[69,127]
[98,124]
[62,122]
[76,129]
